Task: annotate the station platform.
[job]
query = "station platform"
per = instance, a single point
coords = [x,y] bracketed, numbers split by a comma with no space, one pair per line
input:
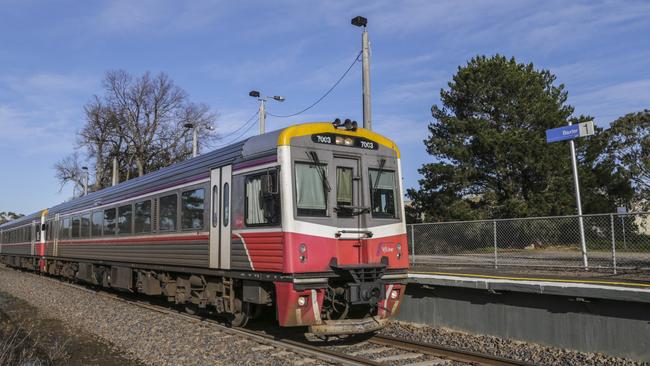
[594,285]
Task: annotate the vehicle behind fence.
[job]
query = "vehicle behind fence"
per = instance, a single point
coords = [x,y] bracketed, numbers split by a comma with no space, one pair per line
[613,242]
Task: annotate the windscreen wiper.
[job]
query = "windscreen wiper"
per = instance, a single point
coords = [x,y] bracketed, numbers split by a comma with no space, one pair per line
[382,162]
[314,158]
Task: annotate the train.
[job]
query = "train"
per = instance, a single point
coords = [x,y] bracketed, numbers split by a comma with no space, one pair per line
[306,223]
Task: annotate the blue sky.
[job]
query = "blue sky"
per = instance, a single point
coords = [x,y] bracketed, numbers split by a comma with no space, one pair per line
[53,55]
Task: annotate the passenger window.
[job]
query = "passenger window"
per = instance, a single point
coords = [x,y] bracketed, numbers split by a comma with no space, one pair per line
[168,209]
[226,204]
[109,221]
[65,228]
[192,205]
[97,218]
[76,223]
[262,199]
[85,226]
[143,217]
[310,189]
[382,193]
[124,219]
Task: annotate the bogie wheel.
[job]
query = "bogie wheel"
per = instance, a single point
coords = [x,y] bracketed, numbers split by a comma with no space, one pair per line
[241,314]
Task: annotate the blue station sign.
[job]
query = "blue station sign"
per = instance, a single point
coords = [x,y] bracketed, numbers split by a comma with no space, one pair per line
[570,132]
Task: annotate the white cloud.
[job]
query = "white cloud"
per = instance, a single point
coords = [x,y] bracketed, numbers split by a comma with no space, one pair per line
[608,102]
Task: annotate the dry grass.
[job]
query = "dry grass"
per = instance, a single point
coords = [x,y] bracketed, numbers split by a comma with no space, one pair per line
[20,346]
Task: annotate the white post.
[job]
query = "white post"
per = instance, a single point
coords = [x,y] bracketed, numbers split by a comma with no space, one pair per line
[262,116]
[576,182]
[496,263]
[366,79]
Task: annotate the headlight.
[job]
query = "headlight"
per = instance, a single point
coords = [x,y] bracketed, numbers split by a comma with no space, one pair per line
[302,300]
[302,248]
[394,294]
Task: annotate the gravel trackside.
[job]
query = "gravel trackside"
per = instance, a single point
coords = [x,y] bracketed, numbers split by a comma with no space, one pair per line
[521,351]
[140,334]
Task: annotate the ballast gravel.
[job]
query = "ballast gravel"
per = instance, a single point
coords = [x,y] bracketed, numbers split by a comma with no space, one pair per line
[520,351]
[147,336]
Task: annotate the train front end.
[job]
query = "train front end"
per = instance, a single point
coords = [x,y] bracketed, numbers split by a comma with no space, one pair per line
[345,240]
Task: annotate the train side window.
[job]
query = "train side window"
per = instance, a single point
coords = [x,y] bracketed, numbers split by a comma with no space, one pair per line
[168,210]
[124,219]
[142,217]
[76,223]
[97,221]
[85,225]
[262,206]
[311,199]
[109,221]
[65,229]
[192,206]
[382,193]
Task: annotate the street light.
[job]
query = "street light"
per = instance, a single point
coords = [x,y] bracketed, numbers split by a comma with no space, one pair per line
[262,111]
[360,21]
[85,170]
[195,137]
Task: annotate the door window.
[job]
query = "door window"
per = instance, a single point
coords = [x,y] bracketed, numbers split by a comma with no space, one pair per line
[226,204]
[343,191]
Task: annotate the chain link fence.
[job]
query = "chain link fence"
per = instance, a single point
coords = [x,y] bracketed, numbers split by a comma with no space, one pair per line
[612,242]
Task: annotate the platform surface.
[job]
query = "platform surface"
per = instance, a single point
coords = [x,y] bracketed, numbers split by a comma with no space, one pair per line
[577,285]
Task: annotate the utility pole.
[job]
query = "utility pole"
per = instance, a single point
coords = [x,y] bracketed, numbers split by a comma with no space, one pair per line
[574,164]
[116,177]
[85,170]
[262,115]
[195,138]
[360,21]
[262,110]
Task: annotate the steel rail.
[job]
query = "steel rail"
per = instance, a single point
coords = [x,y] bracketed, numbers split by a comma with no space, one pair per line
[446,352]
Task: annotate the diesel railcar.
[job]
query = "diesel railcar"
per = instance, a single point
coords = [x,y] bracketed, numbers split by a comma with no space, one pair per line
[307,221]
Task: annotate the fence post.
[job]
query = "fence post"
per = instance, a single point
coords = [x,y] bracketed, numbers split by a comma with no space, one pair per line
[496,264]
[611,221]
[412,247]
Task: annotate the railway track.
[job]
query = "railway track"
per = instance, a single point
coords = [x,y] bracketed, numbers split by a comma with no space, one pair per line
[377,350]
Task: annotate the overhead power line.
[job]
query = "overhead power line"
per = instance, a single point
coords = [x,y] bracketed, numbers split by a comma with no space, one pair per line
[324,95]
[247,123]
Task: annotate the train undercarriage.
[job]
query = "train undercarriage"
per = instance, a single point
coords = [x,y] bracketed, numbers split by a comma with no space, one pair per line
[353,300]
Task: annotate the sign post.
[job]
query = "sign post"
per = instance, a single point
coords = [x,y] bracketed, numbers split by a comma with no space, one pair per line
[570,133]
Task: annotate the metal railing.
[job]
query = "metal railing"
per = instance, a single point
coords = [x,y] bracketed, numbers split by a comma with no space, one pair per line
[614,242]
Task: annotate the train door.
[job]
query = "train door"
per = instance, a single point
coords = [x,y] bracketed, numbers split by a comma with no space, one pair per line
[220,228]
[32,237]
[348,210]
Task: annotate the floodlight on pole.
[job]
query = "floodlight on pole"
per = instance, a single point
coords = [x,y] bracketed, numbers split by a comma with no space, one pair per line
[360,21]
[262,110]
